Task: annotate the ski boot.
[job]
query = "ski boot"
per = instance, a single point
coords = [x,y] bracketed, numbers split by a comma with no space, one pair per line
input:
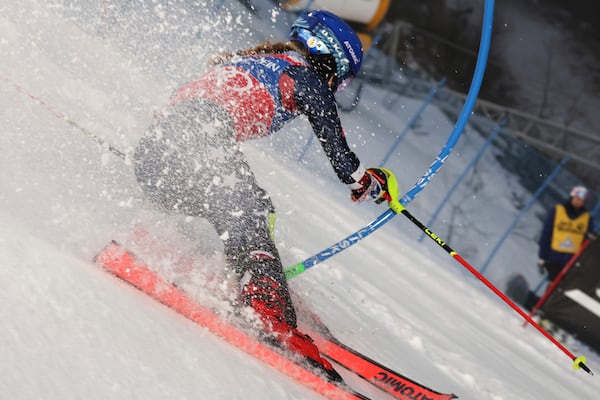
[268,300]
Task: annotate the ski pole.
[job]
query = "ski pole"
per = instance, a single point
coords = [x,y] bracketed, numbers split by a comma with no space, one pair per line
[63,117]
[578,362]
[558,278]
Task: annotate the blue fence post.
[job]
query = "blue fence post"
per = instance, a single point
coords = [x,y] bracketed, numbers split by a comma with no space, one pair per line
[307,7]
[462,176]
[537,194]
[306,147]
[539,285]
[596,210]
[413,120]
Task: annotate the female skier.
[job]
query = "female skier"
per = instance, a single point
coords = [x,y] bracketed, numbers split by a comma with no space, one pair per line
[189,160]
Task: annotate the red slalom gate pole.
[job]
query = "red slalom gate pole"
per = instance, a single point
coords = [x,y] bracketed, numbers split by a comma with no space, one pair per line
[559,278]
[578,362]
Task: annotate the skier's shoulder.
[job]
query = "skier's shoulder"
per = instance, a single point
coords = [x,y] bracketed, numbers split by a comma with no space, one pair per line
[309,87]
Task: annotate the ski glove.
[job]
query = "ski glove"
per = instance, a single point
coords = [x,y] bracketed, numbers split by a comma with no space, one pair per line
[378,184]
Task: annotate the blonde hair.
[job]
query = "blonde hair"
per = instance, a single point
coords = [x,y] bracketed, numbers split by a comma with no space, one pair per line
[263,48]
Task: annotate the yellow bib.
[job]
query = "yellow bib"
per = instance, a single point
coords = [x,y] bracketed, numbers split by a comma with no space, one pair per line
[568,233]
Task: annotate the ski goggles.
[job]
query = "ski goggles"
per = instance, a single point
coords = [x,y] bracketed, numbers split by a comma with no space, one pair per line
[313,43]
[580,192]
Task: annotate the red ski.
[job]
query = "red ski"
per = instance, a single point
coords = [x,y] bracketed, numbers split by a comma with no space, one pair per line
[125,265]
[375,373]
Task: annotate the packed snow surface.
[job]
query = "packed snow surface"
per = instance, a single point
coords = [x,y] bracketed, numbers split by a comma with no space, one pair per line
[72,331]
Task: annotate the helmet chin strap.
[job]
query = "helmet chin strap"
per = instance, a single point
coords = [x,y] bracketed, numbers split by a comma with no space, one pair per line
[332,82]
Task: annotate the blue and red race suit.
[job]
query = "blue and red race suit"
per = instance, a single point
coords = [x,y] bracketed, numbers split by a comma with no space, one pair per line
[188,160]
[261,93]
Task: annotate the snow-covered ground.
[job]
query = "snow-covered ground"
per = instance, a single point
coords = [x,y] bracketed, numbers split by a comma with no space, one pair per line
[71,331]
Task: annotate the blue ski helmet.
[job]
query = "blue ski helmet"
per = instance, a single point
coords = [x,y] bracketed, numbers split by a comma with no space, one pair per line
[322,32]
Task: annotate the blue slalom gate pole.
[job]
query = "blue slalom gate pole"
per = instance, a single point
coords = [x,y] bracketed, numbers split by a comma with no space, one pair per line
[484,47]
[413,120]
[462,176]
[532,200]
[539,285]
